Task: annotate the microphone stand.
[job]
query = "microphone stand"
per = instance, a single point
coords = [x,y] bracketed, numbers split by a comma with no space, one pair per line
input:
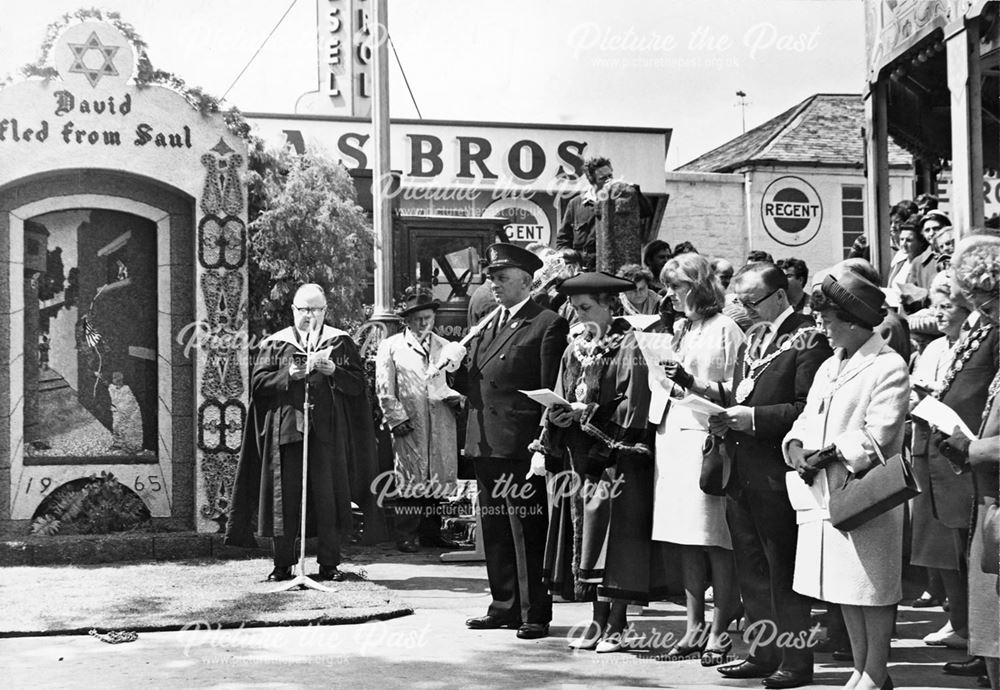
[303,580]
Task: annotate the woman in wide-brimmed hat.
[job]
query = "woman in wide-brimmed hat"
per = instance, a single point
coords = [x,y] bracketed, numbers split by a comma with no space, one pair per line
[858,399]
[599,546]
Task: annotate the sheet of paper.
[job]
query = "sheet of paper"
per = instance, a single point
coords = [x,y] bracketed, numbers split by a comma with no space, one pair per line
[939,415]
[313,357]
[544,396]
[655,348]
[807,498]
[700,405]
[893,298]
[641,321]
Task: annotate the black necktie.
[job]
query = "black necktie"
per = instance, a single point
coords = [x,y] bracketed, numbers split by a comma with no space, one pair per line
[761,340]
[501,320]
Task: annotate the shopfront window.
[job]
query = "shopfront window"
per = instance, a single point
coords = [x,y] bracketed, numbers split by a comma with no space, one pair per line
[448,265]
[852,213]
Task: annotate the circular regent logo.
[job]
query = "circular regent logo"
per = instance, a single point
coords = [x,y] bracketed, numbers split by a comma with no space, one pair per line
[528,222]
[791,211]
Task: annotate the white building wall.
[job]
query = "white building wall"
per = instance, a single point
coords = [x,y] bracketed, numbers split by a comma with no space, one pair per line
[708,210]
[714,212]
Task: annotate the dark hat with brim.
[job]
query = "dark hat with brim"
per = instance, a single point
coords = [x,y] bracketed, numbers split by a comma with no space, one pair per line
[415,303]
[856,296]
[595,282]
[505,255]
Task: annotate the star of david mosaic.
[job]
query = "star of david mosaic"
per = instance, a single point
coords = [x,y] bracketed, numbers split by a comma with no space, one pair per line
[107,53]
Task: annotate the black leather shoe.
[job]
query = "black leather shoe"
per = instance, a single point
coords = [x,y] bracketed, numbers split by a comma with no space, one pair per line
[407,546]
[745,669]
[679,651]
[974,666]
[491,623]
[533,631]
[329,573]
[280,574]
[788,679]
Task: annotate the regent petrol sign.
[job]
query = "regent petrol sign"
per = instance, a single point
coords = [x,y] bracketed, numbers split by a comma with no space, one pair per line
[528,222]
[791,211]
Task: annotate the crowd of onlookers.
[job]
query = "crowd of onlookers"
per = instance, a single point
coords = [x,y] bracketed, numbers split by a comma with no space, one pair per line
[934,317]
[814,380]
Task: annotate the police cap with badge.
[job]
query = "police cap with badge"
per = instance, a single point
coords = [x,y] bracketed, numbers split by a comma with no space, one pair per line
[505,255]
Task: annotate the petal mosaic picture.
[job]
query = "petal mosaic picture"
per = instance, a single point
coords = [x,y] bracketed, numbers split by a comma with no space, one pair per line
[90,379]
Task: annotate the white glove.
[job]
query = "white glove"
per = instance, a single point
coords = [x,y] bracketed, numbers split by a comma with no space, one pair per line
[452,356]
[537,466]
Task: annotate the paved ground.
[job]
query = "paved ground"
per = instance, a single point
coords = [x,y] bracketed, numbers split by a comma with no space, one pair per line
[430,649]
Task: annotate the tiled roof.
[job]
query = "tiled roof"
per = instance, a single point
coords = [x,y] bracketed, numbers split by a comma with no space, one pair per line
[824,129]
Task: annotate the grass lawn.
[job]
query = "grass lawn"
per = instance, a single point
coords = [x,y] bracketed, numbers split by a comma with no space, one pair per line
[171,595]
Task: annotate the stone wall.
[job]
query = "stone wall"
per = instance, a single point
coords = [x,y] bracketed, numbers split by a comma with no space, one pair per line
[709,211]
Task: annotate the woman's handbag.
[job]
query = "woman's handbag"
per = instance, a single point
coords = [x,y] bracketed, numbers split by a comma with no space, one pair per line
[716,465]
[865,496]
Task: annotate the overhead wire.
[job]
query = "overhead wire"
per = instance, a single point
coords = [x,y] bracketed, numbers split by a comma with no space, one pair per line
[392,45]
[405,80]
[257,52]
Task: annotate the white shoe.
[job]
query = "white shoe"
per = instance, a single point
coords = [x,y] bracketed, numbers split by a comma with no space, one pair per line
[952,640]
[937,638]
[584,643]
[956,641]
[616,642]
[607,646]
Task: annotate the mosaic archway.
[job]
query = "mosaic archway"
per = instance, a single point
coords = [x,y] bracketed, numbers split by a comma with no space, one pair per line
[90,130]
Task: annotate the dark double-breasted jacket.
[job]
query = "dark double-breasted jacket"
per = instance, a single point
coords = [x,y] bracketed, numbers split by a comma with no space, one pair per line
[523,355]
[778,398]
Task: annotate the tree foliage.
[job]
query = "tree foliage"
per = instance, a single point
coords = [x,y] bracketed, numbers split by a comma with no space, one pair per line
[306,227]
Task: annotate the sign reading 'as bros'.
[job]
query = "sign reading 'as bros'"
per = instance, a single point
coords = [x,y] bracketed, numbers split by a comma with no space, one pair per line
[791,211]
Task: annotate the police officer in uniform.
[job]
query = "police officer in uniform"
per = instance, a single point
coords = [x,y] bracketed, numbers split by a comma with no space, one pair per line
[518,349]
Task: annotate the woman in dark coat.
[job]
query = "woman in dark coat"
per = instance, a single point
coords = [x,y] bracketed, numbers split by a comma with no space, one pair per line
[599,542]
[977,275]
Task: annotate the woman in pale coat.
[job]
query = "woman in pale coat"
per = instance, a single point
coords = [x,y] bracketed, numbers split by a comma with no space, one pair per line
[705,346]
[859,398]
[419,409]
[935,544]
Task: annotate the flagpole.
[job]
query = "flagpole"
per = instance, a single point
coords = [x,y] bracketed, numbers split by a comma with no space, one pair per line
[382,183]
